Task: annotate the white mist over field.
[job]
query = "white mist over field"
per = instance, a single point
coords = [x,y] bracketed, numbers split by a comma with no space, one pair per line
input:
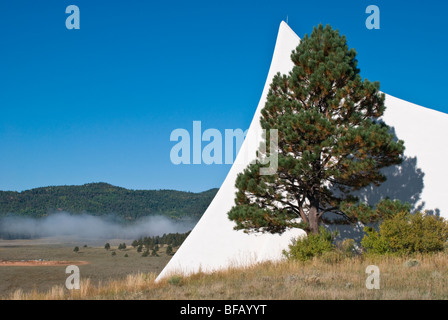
[91,227]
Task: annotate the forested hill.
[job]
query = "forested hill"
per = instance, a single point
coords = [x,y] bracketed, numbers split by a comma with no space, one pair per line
[103,199]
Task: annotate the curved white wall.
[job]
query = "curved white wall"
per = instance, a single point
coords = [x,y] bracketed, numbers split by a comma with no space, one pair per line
[424,132]
[214,244]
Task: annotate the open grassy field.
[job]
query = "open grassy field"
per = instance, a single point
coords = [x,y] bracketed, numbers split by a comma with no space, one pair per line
[422,277]
[95,263]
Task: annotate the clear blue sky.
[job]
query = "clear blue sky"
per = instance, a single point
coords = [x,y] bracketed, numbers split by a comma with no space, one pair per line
[99,103]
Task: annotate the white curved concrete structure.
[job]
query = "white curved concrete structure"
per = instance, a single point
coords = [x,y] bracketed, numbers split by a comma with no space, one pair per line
[423,131]
[214,244]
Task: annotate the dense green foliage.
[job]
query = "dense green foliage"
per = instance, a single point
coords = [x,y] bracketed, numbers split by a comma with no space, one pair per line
[313,245]
[385,208]
[330,140]
[406,233]
[102,199]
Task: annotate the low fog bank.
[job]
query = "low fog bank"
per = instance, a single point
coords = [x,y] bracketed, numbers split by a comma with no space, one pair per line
[89,227]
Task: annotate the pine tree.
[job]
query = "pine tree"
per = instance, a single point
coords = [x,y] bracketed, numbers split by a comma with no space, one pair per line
[154,253]
[107,246]
[330,141]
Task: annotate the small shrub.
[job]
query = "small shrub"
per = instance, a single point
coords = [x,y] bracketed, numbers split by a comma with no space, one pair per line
[76,249]
[140,248]
[313,245]
[407,233]
[175,280]
[114,253]
[126,255]
[373,243]
[145,254]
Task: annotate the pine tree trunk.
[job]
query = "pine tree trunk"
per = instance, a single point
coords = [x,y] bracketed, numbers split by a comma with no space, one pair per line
[313,216]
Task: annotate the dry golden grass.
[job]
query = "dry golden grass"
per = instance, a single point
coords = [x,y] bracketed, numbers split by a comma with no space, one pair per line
[315,279]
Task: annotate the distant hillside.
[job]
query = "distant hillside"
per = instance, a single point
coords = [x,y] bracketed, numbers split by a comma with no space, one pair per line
[102,199]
